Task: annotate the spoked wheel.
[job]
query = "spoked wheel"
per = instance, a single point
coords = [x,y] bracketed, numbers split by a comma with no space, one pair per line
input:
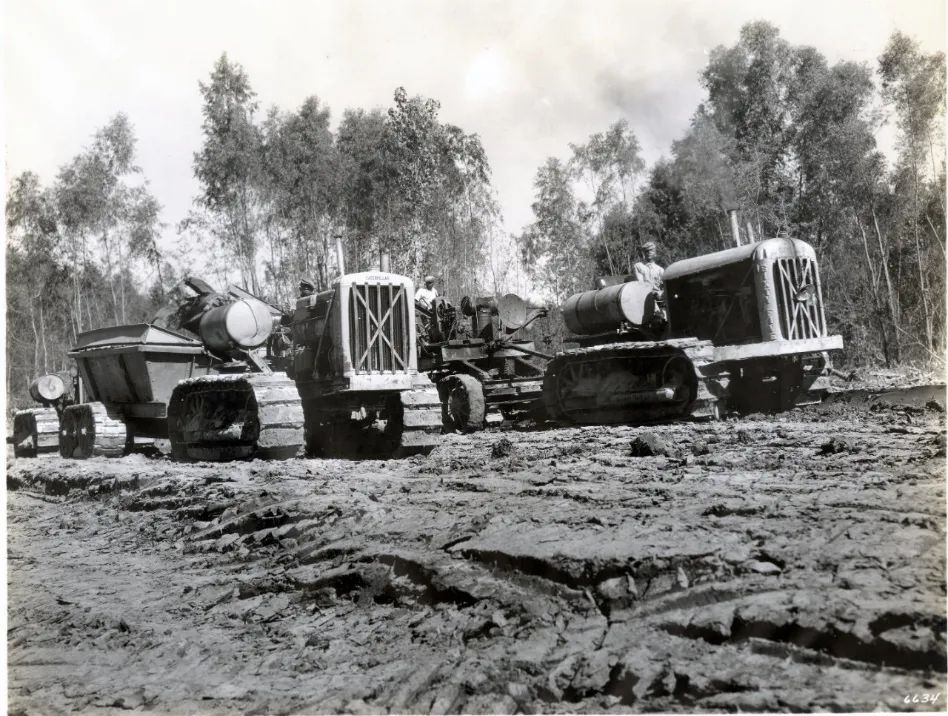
[88,429]
[462,401]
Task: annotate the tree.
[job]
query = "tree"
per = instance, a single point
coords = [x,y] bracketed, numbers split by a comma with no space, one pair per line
[229,167]
[553,246]
[107,214]
[437,208]
[914,83]
[300,165]
[610,165]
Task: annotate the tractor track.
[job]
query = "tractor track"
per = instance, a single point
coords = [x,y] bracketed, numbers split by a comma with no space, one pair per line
[751,564]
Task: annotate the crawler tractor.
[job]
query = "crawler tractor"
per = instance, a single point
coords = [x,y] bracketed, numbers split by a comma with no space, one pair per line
[356,369]
[193,375]
[476,360]
[740,330]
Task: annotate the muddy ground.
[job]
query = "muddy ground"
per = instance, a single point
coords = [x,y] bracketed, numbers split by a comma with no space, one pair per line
[787,563]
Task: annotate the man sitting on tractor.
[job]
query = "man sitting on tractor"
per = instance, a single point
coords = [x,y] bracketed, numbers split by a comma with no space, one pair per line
[648,270]
[424,297]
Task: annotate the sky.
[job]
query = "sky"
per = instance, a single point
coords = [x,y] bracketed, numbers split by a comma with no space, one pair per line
[529,77]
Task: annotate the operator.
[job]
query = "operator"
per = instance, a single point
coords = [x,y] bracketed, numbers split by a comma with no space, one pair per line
[648,270]
[424,297]
[307,287]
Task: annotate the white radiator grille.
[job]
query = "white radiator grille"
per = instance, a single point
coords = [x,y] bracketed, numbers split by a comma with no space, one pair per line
[378,328]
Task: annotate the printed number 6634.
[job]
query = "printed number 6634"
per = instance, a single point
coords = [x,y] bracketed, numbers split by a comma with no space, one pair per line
[922,698]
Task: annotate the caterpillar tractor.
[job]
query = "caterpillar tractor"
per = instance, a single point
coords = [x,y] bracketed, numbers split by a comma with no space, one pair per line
[356,369]
[36,430]
[738,330]
[473,355]
[193,375]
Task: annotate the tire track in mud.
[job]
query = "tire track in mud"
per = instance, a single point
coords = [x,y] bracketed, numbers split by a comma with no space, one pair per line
[762,574]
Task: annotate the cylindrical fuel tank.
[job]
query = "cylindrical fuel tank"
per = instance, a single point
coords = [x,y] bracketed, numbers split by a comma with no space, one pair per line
[47,388]
[607,308]
[242,324]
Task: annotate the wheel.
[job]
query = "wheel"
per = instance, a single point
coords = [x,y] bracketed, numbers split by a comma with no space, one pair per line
[462,400]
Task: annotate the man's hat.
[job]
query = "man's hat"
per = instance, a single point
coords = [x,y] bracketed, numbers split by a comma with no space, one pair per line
[307,282]
[429,279]
[649,245]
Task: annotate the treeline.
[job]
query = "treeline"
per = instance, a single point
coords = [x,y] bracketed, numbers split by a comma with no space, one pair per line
[790,141]
[79,253]
[275,189]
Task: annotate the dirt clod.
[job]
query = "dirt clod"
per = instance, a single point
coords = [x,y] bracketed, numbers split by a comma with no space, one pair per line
[763,567]
[648,445]
[501,448]
[834,446]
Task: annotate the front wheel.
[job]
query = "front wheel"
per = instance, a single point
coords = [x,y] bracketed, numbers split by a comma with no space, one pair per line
[462,401]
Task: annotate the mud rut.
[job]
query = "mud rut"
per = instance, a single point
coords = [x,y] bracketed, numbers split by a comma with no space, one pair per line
[788,563]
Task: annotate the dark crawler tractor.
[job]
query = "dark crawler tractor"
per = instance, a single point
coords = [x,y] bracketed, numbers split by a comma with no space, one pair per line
[475,357]
[741,330]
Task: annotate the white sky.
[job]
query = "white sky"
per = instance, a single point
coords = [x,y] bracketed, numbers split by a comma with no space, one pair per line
[528,77]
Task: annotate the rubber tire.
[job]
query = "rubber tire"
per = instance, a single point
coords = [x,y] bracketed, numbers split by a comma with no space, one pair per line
[462,401]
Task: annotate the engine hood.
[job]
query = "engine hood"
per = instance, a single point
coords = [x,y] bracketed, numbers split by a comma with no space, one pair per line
[759,251]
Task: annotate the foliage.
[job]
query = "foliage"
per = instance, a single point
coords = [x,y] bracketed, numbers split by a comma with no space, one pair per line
[76,254]
[276,194]
[583,213]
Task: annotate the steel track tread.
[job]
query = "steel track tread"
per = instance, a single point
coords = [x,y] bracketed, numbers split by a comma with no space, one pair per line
[35,431]
[421,422]
[92,430]
[699,354]
[272,430]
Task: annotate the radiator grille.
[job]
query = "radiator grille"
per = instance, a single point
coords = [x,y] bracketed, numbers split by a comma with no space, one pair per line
[798,298]
[378,328]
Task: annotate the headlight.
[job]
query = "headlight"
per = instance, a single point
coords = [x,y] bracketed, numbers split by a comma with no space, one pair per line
[806,294]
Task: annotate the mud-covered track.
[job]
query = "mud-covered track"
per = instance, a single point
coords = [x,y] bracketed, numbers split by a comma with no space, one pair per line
[761,564]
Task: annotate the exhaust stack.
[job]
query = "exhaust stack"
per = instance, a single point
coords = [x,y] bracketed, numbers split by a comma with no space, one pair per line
[735,227]
[385,262]
[750,233]
[340,256]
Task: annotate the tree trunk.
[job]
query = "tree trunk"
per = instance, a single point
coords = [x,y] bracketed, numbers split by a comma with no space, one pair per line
[873,285]
[893,299]
[931,149]
[36,343]
[923,289]
[42,329]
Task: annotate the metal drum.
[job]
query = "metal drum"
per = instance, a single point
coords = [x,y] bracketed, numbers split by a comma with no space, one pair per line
[607,308]
[47,388]
[242,324]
